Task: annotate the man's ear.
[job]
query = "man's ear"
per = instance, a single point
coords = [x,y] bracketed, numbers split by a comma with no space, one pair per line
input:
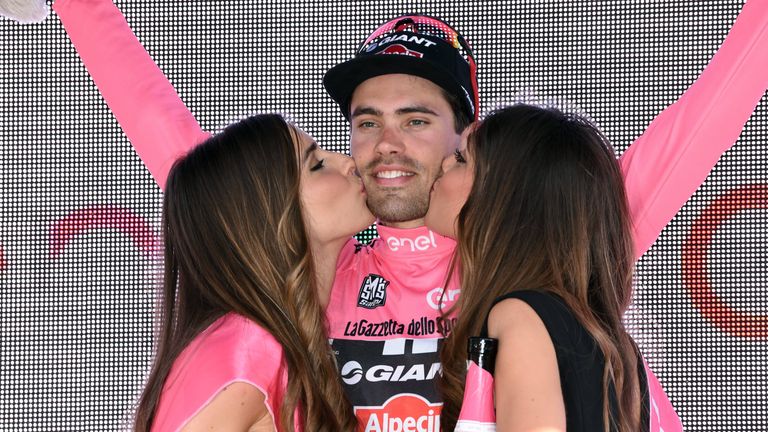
[468,130]
[24,11]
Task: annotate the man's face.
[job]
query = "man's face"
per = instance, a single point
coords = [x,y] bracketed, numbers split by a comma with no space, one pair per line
[401,130]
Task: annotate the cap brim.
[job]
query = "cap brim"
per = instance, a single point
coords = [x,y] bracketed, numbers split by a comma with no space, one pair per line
[342,80]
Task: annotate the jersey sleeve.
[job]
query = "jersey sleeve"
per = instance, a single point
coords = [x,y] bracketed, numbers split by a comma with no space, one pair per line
[153,117]
[665,166]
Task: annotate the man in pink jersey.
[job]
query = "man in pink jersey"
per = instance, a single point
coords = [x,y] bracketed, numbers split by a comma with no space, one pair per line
[409,93]
[406,116]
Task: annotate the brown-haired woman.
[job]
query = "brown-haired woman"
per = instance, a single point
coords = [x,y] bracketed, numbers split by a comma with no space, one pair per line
[535,198]
[254,219]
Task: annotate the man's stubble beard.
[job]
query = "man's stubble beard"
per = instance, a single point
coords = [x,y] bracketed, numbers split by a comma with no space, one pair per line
[390,207]
[398,205]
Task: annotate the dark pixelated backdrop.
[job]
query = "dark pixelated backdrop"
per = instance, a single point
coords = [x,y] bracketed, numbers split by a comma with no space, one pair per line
[79,213]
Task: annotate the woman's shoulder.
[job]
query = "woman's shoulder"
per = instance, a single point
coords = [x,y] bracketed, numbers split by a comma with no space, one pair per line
[527,373]
[546,307]
[526,316]
[514,320]
[529,309]
[232,350]
[229,341]
[536,299]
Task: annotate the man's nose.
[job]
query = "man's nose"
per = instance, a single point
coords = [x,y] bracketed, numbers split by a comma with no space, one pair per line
[389,142]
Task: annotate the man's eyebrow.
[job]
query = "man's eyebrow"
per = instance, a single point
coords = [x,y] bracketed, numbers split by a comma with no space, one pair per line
[416,109]
[400,111]
[312,147]
[366,110]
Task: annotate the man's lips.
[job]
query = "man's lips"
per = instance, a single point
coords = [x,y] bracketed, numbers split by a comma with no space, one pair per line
[391,176]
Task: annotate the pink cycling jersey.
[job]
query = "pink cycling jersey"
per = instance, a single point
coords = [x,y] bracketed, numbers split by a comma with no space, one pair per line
[382,314]
[386,329]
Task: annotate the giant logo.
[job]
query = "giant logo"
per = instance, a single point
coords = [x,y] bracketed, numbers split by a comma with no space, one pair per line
[402,413]
[375,371]
[352,372]
[400,38]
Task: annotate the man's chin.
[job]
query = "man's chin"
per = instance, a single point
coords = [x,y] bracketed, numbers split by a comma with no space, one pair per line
[393,208]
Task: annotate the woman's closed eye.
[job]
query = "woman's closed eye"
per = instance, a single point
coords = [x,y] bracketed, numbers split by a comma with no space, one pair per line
[459,156]
[320,164]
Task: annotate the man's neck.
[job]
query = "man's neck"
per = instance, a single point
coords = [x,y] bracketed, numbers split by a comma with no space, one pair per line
[415,223]
[325,258]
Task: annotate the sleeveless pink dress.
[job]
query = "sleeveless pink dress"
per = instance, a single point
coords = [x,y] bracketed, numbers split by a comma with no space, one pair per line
[232,349]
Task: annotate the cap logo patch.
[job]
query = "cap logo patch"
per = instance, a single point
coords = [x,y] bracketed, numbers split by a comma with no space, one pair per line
[400,50]
[401,38]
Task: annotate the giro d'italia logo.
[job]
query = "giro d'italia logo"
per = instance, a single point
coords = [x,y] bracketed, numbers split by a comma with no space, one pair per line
[373,292]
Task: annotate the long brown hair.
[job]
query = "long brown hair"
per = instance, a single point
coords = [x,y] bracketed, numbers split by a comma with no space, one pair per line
[235,241]
[547,211]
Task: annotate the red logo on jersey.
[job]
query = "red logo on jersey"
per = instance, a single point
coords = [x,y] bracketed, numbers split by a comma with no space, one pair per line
[400,413]
[401,50]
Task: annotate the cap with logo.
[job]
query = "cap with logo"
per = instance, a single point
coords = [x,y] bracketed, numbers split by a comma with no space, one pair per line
[414,45]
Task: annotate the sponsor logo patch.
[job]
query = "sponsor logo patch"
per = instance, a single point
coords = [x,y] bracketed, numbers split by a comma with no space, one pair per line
[352,372]
[423,326]
[420,243]
[439,298]
[400,50]
[373,292]
[402,413]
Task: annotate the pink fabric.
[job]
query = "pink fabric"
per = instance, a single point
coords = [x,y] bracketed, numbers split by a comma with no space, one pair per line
[666,165]
[663,417]
[232,349]
[156,121]
[415,262]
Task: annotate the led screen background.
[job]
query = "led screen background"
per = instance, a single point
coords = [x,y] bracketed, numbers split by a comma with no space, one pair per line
[80,214]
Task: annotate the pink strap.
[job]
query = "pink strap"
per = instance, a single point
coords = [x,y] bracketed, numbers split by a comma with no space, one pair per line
[666,165]
[156,121]
[663,417]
